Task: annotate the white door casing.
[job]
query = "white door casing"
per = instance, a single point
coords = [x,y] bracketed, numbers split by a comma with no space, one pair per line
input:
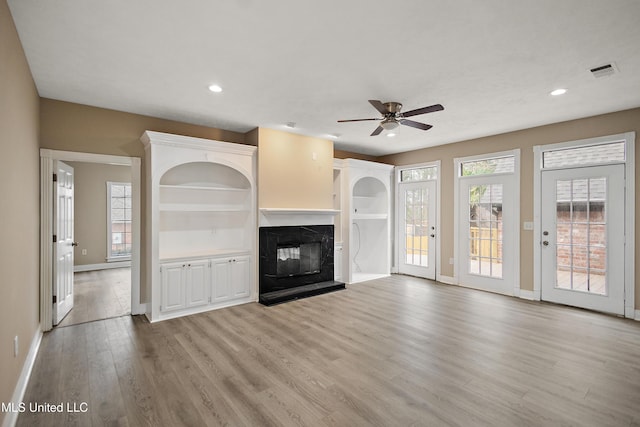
[417,229]
[64,244]
[583,237]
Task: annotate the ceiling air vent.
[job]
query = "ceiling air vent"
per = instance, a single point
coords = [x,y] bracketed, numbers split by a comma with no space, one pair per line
[603,70]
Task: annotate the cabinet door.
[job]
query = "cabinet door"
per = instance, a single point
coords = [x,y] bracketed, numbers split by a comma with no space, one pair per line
[221,279]
[241,276]
[198,283]
[173,286]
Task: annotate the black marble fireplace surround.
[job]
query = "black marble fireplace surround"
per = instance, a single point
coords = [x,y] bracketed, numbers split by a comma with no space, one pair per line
[296,262]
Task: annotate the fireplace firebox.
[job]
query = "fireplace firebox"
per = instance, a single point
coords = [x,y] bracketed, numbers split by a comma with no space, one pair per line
[295,262]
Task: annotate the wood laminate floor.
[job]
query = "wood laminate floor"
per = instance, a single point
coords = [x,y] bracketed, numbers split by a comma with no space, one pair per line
[99,294]
[398,351]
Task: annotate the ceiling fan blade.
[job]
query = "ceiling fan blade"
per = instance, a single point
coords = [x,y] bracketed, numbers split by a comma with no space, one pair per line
[424,110]
[416,125]
[377,131]
[356,120]
[379,106]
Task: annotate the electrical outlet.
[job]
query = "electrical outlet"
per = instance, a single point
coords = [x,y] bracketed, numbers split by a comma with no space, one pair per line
[15,346]
[84,252]
[527,225]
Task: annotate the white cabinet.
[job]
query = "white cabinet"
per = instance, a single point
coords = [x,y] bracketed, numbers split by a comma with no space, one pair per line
[241,276]
[184,284]
[173,286]
[197,282]
[201,205]
[231,278]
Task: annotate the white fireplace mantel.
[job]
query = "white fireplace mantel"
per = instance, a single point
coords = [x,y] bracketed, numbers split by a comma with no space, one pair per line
[274,217]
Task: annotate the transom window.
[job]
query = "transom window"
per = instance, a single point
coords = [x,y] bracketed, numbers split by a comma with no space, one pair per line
[425,173]
[118,221]
[490,166]
[585,156]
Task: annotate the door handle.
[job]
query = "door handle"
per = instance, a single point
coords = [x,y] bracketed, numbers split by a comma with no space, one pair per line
[545,243]
[74,244]
[432,235]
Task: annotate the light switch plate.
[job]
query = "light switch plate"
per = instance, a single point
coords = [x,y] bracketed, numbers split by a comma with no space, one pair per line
[527,225]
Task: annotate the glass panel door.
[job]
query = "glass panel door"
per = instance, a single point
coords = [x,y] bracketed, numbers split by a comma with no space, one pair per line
[487,233]
[418,228]
[583,237]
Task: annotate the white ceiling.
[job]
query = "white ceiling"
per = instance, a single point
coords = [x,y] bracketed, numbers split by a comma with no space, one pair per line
[490,63]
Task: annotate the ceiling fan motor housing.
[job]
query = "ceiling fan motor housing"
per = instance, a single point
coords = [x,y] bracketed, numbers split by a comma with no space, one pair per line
[393,107]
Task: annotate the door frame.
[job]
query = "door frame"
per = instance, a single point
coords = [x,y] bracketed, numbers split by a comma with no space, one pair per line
[457,250]
[396,226]
[629,222]
[47,158]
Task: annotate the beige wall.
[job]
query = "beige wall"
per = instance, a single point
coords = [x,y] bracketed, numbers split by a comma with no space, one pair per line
[294,171]
[75,127]
[607,124]
[19,216]
[90,219]
[81,128]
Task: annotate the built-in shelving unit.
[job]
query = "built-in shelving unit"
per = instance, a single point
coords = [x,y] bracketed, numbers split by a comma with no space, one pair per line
[366,224]
[201,199]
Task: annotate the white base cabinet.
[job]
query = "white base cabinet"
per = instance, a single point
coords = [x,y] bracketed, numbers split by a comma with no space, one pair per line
[185,284]
[204,283]
[231,278]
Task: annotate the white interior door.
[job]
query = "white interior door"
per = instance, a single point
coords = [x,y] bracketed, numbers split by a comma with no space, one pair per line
[582,221]
[417,220]
[487,233]
[63,244]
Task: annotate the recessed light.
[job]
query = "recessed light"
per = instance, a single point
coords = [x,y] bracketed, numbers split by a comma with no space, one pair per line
[391,135]
[334,135]
[290,125]
[558,92]
[215,88]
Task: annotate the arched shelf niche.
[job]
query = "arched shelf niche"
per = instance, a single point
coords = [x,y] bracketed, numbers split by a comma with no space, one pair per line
[204,209]
[370,229]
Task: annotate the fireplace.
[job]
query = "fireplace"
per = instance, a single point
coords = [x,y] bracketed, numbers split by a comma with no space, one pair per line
[295,262]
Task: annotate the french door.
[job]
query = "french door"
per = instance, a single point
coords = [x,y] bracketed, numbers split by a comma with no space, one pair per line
[582,252]
[487,228]
[417,220]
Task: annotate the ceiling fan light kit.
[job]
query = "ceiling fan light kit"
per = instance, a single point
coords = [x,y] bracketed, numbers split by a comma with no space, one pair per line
[388,124]
[392,116]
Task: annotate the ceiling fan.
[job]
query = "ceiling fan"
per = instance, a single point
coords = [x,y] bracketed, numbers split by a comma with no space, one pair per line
[392,116]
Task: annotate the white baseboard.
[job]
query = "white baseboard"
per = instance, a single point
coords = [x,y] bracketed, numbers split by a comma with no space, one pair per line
[446,279]
[103,266]
[529,295]
[10,418]
[637,315]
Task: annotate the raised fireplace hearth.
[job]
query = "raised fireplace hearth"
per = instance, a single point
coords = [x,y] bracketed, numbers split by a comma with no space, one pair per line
[295,262]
